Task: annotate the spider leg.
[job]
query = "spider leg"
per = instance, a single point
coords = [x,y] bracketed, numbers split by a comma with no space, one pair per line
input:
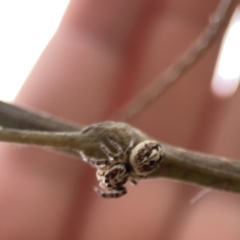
[94,161]
[112,158]
[83,156]
[129,150]
[99,175]
[106,150]
[132,180]
[131,146]
[98,162]
[117,147]
[111,193]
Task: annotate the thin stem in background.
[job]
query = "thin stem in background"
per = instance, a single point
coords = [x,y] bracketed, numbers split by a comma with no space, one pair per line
[173,73]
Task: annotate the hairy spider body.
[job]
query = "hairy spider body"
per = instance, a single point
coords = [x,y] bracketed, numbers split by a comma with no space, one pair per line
[114,177]
[112,180]
[129,165]
[145,158]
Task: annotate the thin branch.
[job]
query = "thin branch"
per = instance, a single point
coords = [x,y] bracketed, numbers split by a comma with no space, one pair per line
[180,164]
[15,117]
[12,116]
[168,78]
[41,138]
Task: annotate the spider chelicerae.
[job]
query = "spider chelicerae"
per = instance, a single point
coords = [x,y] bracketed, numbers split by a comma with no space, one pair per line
[134,163]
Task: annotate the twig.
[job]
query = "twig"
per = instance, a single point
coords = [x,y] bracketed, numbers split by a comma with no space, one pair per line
[191,167]
[168,78]
[12,116]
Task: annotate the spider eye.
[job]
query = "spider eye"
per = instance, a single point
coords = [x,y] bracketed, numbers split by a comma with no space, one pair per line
[146,157]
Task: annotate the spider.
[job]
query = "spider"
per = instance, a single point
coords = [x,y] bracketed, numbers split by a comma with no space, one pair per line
[129,165]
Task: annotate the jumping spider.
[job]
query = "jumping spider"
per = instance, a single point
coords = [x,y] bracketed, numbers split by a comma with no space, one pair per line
[129,165]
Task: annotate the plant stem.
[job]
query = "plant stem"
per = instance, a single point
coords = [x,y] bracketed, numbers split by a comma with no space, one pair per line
[12,116]
[181,164]
[197,168]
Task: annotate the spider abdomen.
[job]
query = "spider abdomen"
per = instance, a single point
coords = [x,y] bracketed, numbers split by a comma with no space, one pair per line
[146,157]
[116,176]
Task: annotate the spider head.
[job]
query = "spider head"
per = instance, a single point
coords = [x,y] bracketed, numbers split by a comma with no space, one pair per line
[146,157]
[116,176]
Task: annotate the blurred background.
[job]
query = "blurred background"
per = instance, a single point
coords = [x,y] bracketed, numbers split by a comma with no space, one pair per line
[27,26]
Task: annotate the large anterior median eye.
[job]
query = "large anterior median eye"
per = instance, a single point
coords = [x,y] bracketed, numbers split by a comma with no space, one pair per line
[146,157]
